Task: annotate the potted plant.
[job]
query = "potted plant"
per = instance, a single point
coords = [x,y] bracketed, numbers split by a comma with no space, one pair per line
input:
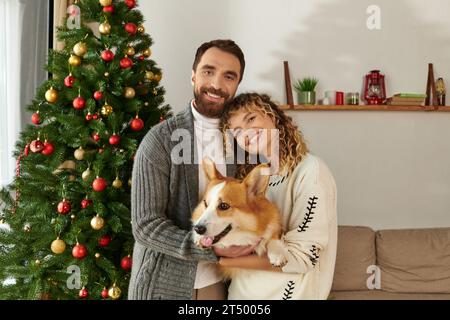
[305,90]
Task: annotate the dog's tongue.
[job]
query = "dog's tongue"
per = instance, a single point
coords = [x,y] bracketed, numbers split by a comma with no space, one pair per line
[206,241]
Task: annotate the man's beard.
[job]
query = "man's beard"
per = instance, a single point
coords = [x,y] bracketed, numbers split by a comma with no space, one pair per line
[208,108]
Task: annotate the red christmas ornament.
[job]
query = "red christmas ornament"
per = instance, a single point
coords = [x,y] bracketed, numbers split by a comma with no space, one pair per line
[137,124]
[36,146]
[48,148]
[114,139]
[130,3]
[64,207]
[99,184]
[104,240]
[98,95]
[108,9]
[126,263]
[83,293]
[69,80]
[35,118]
[107,55]
[105,293]
[89,117]
[100,150]
[85,203]
[141,58]
[96,137]
[95,116]
[161,119]
[126,63]
[79,103]
[79,251]
[131,28]
[26,151]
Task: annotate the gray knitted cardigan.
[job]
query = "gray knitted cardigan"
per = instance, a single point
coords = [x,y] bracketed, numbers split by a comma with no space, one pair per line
[163,196]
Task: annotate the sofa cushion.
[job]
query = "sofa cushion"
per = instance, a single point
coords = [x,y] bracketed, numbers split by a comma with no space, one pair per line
[414,260]
[355,252]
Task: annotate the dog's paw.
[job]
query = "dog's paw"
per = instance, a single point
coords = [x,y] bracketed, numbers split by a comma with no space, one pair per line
[276,253]
[277,259]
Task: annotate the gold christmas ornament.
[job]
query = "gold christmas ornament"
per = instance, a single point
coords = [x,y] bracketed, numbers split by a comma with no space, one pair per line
[97,255]
[147,52]
[114,292]
[72,216]
[79,153]
[86,174]
[38,262]
[141,28]
[149,75]
[105,3]
[129,93]
[58,246]
[80,49]
[157,77]
[117,183]
[97,222]
[130,51]
[74,60]
[106,110]
[51,95]
[106,74]
[104,28]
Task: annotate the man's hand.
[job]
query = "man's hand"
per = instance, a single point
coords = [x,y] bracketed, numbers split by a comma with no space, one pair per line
[234,251]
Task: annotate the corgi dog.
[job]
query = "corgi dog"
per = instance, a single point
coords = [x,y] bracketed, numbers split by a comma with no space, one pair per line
[235,212]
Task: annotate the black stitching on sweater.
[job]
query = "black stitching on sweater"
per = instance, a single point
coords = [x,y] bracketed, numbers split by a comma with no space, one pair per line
[289,290]
[314,255]
[309,215]
[275,183]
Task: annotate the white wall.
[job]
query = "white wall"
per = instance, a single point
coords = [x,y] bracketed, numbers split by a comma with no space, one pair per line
[392,168]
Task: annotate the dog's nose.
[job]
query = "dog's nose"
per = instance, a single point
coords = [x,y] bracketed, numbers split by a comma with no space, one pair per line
[200,229]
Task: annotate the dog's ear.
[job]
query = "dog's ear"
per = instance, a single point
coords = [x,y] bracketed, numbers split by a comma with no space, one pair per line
[210,169]
[257,180]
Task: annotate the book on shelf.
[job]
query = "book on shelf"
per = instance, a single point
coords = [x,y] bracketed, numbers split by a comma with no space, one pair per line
[407,99]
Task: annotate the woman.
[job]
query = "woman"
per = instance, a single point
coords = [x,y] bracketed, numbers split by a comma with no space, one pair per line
[304,191]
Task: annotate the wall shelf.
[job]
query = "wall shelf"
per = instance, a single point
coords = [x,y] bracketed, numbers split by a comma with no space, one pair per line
[365,108]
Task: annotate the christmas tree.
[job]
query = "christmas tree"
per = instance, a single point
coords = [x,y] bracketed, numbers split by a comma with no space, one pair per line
[68,209]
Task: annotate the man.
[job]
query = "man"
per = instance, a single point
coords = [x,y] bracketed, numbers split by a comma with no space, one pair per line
[166,263]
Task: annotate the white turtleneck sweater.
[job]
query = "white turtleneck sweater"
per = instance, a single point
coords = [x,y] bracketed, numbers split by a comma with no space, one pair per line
[209,142]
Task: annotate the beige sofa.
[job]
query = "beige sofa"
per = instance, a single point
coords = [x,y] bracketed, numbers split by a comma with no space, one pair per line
[392,264]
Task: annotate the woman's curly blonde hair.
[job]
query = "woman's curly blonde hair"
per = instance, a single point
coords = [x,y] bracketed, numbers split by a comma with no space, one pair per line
[292,146]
